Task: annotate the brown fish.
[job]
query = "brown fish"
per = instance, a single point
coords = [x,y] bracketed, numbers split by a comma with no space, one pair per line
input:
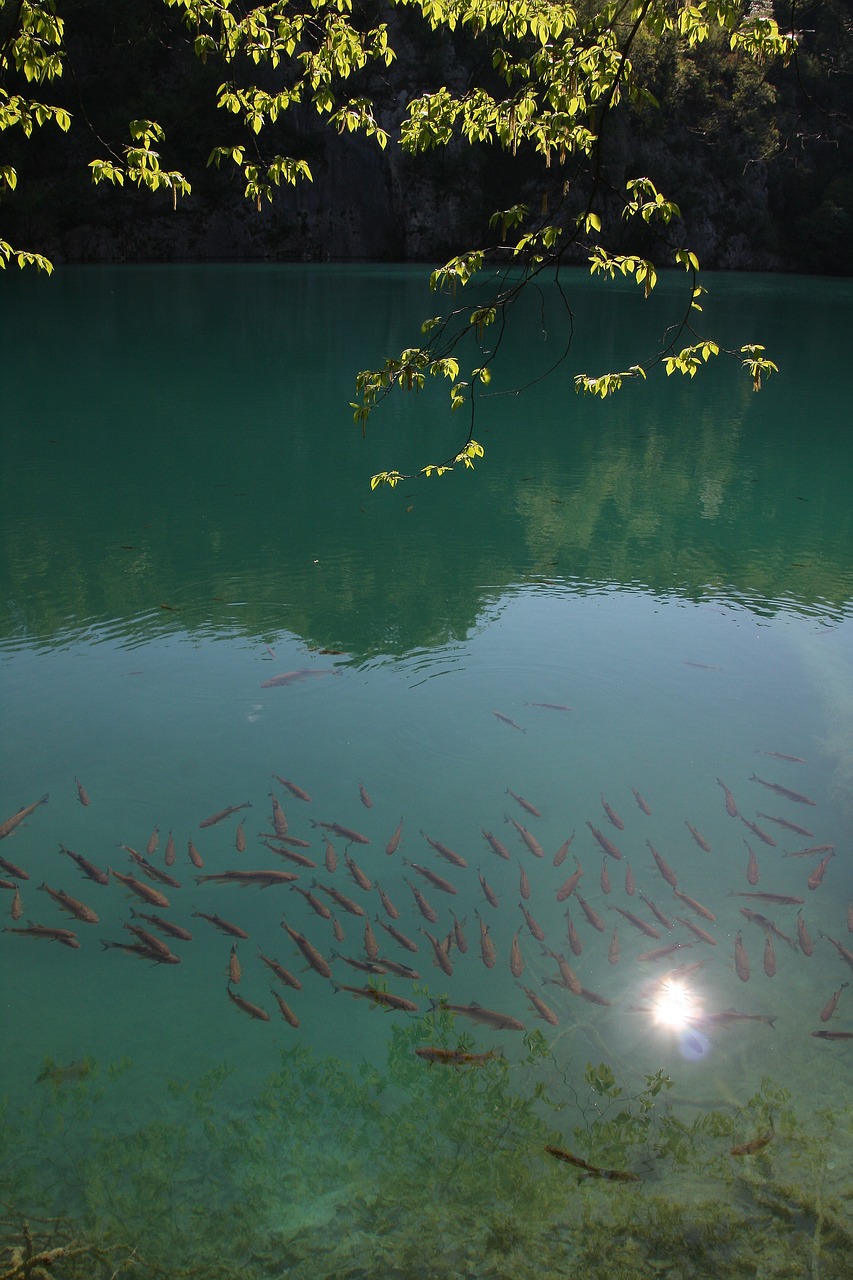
[77,909]
[613,1175]
[540,1007]
[769,956]
[560,855]
[663,867]
[426,909]
[662,952]
[455,1057]
[153,842]
[391,846]
[397,935]
[437,881]
[399,970]
[459,935]
[568,977]
[640,801]
[144,891]
[506,720]
[330,858]
[11,869]
[525,804]
[224,926]
[279,818]
[341,899]
[253,1010]
[317,962]
[657,913]
[361,879]
[789,826]
[487,1017]
[487,948]
[820,870]
[524,884]
[299,859]
[741,959]
[568,887]
[292,788]
[224,813]
[833,1035]
[643,925]
[516,960]
[293,677]
[500,849]
[783,791]
[753,1146]
[700,839]
[630,883]
[488,892]
[88,868]
[783,899]
[607,845]
[780,755]
[82,794]
[165,926]
[284,975]
[829,1008]
[441,957]
[612,815]
[846,956]
[143,948]
[751,866]
[806,945]
[371,946]
[67,937]
[346,833]
[574,941]
[701,934]
[235,973]
[365,798]
[694,905]
[383,998]
[319,908]
[529,839]
[532,924]
[387,905]
[811,852]
[285,1009]
[17,908]
[592,916]
[169,855]
[195,857]
[605,878]
[613,951]
[7,827]
[731,807]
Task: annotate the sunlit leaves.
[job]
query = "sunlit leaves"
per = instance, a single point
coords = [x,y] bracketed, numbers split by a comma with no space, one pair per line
[690,359]
[606,383]
[142,163]
[756,364]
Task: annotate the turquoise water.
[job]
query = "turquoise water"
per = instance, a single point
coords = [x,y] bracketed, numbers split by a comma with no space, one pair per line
[649,594]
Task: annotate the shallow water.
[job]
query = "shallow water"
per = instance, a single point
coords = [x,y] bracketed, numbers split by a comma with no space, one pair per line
[649,594]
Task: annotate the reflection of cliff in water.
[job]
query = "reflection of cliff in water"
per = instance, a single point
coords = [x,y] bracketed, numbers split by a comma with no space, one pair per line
[211,466]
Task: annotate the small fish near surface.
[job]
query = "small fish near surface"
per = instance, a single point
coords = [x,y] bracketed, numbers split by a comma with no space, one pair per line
[253,1010]
[67,937]
[455,1057]
[224,813]
[796,796]
[754,1145]
[487,1017]
[499,715]
[594,1171]
[7,827]
[294,677]
[607,845]
[224,926]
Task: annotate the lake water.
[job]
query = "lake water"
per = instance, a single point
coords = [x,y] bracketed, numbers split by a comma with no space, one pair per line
[638,604]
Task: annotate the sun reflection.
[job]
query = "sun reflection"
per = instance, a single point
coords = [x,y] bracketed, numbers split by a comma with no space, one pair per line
[674,1005]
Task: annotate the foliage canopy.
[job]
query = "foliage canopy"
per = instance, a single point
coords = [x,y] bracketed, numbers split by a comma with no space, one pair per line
[548,82]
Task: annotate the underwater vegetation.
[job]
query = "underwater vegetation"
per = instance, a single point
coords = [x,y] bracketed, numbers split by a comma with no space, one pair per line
[418,1169]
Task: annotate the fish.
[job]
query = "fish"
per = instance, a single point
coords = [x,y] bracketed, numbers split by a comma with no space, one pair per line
[500,849]
[284,975]
[605,878]
[568,887]
[730,1016]
[346,833]
[756,830]
[574,941]
[700,839]
[158,948]
[731,807]
[657,913]
[372,967]
[17,908]
[820,870]
[779,790]
[90,869]
[59,1075]
[169,855]
[763,922]
[387,905]
[77,909]
[752,1147]
[525,804]
[641,802]
[152,872]
[144,891]
[195,857]
[437,881]
[139,949]
[529,839]
[439,951]
[153,842]
[426,910]
[67,937]
[593,997]
[285,1009]
[506,720]
[397,935]
[486,1017]
[516,960]
[694,905]
[455,1057]
[846,956]
[789,826]
[292,788]
[663,867]
[607,845]
[224,813]
[613,950]
[330,858]
[279,817]
[701,934]
[613,1175]
[299,859]
[293,677]
[335,894]
[811,852]
[165,926]
[459,935]
[393,843]
[292,841]
[662,952]
[829,1008]
[264,878]
[612,815]
[317,962]
[592,916]
[365,798]
[570,979]
[7,827]
[540,1007]
[560,855]
[630,883]
[253,1010]
[383,998]
[524,884]
[779,755]
[782,899]
[82,794]
[769,956]
[371,946]
[741,958]
[806,945]
[488,892]
[643,925]
[225,926]
[833,1035]
[399,970]
[337,928]
[532,924]
[549,706]
[11,869]
[751,866]
[361,879]
[487,947]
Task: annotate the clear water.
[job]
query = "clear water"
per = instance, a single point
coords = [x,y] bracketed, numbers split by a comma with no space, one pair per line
[651,593]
